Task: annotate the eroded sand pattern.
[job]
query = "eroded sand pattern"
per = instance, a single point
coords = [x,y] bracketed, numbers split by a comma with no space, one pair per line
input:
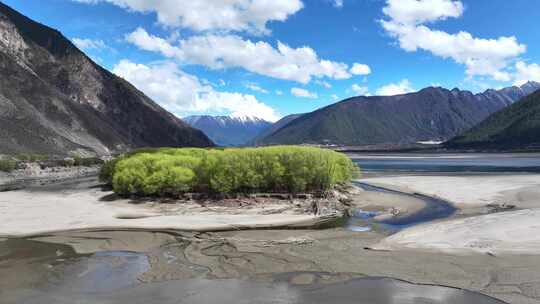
[200,268]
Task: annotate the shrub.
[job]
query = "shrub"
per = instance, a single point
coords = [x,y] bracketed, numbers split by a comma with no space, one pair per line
[86,162]
[107,170]
[29,157]
[170,171]
[7,165]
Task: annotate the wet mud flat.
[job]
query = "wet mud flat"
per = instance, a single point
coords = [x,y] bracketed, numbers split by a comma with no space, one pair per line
[280,266]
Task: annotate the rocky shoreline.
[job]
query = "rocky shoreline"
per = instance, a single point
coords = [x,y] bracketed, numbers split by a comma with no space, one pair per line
[34,174]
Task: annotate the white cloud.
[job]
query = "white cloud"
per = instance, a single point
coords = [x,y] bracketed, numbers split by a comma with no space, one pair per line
[323,83]
[414,12]
[360,90]
[147,42]
[334,97]
[279,92]
[338,3]
[255,87]
[298,92]
[526,72]
[89,44]
[360,69]
[481,57]
[212,15]
[402,87]
[182,93]
[230,51]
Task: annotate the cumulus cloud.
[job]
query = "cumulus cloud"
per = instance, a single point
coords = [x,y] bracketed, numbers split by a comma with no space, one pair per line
[360,69]
[182,93]
[526,72]
[338,3]
[230,51]
[211,15]
[407,21]
[402,87]
[298,92]
[414,12]
[360,90]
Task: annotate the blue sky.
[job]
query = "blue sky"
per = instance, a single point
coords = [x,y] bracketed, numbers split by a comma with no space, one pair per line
[273,58]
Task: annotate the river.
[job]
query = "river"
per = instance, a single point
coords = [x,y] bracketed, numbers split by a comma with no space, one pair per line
[57,269]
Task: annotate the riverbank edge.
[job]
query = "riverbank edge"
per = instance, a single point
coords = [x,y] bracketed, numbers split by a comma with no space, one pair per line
[263,222]
[313,223]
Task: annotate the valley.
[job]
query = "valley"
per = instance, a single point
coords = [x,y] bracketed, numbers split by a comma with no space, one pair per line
[205,152]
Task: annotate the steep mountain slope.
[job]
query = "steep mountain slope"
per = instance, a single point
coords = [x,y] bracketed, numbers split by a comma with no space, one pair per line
[430,114]
[229,131]
[54,99]
[275,127]
[515,127]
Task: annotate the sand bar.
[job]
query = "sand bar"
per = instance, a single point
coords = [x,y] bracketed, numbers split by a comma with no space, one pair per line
[31,212]
[468,190]
[516,232]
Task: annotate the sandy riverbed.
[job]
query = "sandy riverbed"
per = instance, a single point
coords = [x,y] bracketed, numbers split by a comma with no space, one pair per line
[84,205]
[256,255]
[510,232]
[87,207]
[510,271]
[468,191]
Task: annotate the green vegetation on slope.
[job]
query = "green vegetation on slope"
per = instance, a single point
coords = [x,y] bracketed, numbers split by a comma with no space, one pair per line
[12,162]
[515,127]
[430,114]
[171,172]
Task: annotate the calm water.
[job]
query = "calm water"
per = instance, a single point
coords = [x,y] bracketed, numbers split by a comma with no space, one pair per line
[435,209]
[403,163]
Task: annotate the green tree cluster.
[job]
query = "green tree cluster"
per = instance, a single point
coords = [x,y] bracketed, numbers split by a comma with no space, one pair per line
[171,172]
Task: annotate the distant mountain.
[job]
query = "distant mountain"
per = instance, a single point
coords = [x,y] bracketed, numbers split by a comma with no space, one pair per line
[275,126]
[54,99]
[515,127]
[229,131]
[432,114]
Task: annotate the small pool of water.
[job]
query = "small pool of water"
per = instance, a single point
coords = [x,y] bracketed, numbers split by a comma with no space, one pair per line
[364,220]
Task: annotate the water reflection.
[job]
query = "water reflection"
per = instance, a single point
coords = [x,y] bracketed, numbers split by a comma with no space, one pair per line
[35,272]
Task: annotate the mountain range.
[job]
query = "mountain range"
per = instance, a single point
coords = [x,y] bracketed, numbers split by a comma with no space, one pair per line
[56,100]
[229,131]
[432,114]
[274,128]
[515,127]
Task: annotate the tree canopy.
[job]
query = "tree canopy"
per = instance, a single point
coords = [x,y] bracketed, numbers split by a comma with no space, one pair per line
[172,171]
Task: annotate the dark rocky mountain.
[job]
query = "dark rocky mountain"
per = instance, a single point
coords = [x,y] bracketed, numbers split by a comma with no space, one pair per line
[275,127]
[514,127]
[55,100]
[432,114]
[229,131]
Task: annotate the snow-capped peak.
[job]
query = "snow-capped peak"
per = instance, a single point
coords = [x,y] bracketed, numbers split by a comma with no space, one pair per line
[245,118]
